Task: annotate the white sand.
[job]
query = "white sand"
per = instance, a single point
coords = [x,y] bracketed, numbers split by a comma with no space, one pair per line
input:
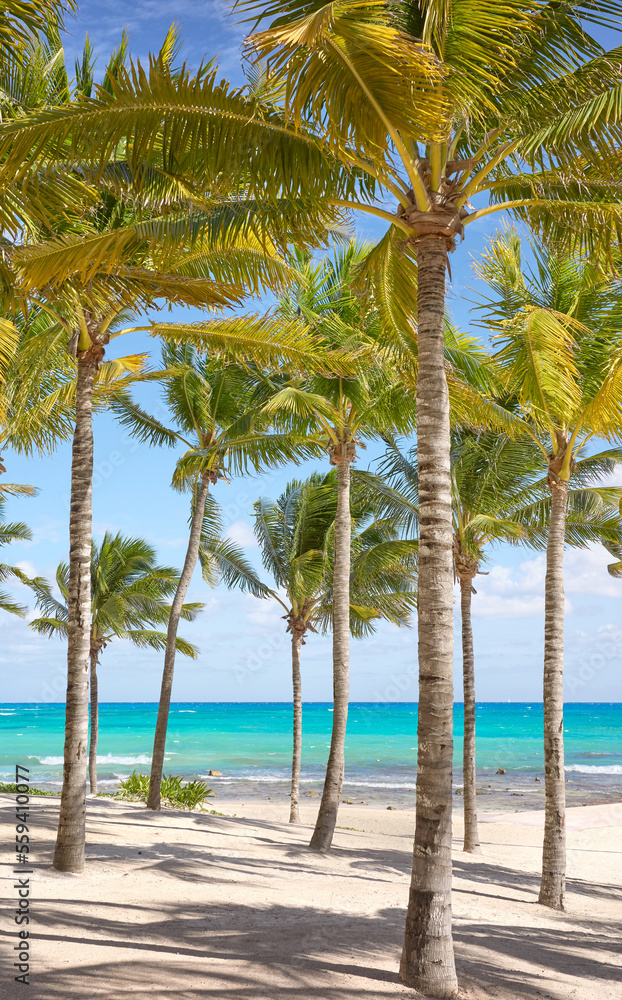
[178,905]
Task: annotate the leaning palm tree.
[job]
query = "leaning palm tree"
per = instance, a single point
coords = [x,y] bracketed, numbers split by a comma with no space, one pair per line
[296,536]
[216,407]
[556,328]
[129,594]
[341,413]
[132,272]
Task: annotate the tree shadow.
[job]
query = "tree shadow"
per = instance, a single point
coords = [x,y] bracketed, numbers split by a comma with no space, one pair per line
[269,950]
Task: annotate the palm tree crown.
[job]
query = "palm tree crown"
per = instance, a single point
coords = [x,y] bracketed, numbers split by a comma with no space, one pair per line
[130,595]
[297,539]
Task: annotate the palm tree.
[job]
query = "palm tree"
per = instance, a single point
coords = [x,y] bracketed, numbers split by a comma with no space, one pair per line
[433,104]
[129,593]
[430,104]
[500,494]
[216,409]
[12,531]
[557,332]
[296,535]
[340,412]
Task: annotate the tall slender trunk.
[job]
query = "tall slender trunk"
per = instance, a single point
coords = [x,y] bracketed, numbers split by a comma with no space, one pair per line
[294,813]
[428,956]
[70,839]
[192,553]
[552,886]
[327,816]
[471,833]
[94,724]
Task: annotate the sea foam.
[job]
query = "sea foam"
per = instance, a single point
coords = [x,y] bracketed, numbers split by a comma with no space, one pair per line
[141,758]
[595,768]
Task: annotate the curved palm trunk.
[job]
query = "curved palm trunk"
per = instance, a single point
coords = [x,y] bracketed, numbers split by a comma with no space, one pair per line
[94,724]
[428,956]
[192,553]
[294,813]
[69,850]
[552,886]
[471,833]
[331,795]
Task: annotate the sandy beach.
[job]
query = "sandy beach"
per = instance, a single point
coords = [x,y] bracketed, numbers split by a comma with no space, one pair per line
[183,905]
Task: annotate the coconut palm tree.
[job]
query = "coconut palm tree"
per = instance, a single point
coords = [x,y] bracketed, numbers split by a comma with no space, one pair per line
[340,412]
[129,594]
[500,495]
[557,332]
[216,407]
[296,536]
[88,307]
[436,104]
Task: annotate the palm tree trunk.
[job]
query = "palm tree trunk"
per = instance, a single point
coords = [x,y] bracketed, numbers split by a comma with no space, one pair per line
[294,813]
[471,834]
[331,795]
[94,724]
[428,955]
[69,850]
[552,886]
[192,553]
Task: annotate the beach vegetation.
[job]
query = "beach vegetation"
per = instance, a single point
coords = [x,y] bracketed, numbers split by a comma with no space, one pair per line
[175,792]
[10,788]
[432,105]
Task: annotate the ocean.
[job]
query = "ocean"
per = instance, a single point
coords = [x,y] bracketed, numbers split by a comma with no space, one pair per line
[251,745]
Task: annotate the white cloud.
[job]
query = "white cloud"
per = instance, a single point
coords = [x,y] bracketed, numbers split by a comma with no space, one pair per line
[518,592]
[586,573]
[27,567]
[241,532]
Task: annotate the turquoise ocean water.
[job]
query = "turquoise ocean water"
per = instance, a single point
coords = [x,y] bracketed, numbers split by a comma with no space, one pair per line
[251,745]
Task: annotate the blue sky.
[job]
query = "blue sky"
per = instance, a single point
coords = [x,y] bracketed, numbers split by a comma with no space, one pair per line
[245,653]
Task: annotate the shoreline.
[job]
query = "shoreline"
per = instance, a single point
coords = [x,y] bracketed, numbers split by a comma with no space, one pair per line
[508,794]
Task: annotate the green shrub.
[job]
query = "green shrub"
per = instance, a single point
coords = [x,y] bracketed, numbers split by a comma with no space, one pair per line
[11,789]
[136,784]
[193,793]
[172,791]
